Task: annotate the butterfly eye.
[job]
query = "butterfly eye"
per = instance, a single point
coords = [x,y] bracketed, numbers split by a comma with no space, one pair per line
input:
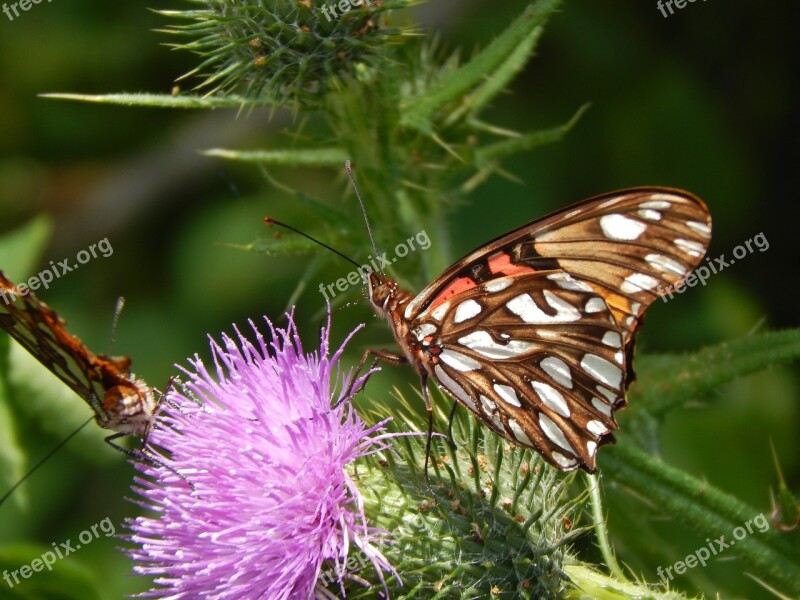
[381,290]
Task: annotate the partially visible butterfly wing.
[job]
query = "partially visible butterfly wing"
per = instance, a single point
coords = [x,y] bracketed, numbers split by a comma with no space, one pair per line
[532,331]
[541,365]
[628,246]
[625,245]
[42,332]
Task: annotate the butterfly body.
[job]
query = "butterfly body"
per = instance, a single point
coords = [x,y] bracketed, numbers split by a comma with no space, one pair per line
[533,332]
[122,403]
[128,408]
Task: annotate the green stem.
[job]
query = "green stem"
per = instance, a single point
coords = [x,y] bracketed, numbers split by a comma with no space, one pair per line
[771,555]
[601,531]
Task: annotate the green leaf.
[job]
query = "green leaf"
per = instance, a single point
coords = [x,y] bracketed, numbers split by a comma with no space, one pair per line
[769,554]
[282,244]
[315,157]
[419,112]
[590,583]
[786,514]
[160,100]
[498,80]
[280,241]
[66,580]
[21,249]
[527,141]
[673,380]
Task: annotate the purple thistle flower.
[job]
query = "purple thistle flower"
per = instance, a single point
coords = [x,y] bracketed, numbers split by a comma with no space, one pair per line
[263,497]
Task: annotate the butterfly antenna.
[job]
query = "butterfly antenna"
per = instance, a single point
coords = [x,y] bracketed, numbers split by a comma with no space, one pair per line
[42,461]
[115,321]
[349,170]
[271,221]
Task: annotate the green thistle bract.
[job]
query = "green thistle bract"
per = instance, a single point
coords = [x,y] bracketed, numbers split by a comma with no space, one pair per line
[498,525]
[282,52]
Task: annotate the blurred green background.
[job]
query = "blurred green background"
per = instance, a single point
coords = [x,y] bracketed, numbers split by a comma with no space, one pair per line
[703,100]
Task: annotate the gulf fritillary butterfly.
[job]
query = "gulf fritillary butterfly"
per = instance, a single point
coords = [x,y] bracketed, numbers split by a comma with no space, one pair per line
[121,403]
[534,331]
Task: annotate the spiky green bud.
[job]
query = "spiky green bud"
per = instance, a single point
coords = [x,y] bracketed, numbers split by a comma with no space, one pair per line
[495,522]
[282,52]
[498,522]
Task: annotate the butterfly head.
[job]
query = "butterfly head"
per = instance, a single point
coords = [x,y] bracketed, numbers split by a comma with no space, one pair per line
[380,289]
[129,408]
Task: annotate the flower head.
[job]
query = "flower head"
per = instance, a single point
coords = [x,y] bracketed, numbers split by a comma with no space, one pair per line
[250,490]
[286,52]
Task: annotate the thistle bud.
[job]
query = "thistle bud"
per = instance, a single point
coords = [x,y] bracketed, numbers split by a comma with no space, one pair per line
[283,52]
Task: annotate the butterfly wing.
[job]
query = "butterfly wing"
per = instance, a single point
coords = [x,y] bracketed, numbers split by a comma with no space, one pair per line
[42,332]
[626,245]
[532,331]
[532,364]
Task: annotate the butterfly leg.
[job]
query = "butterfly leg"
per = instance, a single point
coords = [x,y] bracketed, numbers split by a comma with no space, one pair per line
[141,455]
[396,359]
[162,401]
[137,454]
[377,355]
[423,382]
[450,426]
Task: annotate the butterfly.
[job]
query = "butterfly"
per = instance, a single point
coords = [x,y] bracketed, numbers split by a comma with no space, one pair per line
[534,331]
[121,403]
